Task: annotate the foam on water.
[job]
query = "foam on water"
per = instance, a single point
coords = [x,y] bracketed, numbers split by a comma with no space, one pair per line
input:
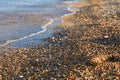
[31,35]
[61,11]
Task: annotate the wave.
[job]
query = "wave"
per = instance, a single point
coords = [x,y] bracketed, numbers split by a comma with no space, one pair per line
[68,8]
[68,2]
[44,29]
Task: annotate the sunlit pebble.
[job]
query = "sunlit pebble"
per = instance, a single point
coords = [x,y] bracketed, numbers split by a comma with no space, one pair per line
[53,38]
[106,36]
[21,76]
[86,78]
[37,60]
[0,77]
[6,54]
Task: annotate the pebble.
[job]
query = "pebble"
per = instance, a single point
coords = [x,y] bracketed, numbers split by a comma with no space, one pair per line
[21,76]
[0,77]
[106,36]
[75,50]
[37,60]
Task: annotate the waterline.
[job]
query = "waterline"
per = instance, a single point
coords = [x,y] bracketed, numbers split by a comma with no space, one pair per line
[31,35]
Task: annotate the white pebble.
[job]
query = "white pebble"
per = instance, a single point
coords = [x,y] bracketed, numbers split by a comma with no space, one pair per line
[106,36]
[37,59]
[21,76]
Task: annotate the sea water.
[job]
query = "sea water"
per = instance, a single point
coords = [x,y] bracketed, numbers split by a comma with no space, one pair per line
[24,35]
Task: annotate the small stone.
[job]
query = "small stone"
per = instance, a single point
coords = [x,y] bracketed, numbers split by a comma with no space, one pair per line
[106,36]
[21,76]
[99,59]
[53,38]
[86,78]
[37,60]
[0,77]
[0,66]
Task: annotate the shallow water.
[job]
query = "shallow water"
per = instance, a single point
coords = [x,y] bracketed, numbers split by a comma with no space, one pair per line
[31,6]
[24,22]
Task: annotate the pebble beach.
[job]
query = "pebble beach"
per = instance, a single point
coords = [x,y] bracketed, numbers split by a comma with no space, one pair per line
[85,46]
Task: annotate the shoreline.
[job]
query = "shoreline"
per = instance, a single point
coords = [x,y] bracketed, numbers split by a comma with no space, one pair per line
[50,21]
[28,36]
[85,46]
[10,49]
[32,22]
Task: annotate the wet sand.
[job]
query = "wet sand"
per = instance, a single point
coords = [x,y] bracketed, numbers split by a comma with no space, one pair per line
[85,47]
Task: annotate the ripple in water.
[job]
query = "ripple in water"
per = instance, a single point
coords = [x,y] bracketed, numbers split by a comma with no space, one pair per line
[20,35]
